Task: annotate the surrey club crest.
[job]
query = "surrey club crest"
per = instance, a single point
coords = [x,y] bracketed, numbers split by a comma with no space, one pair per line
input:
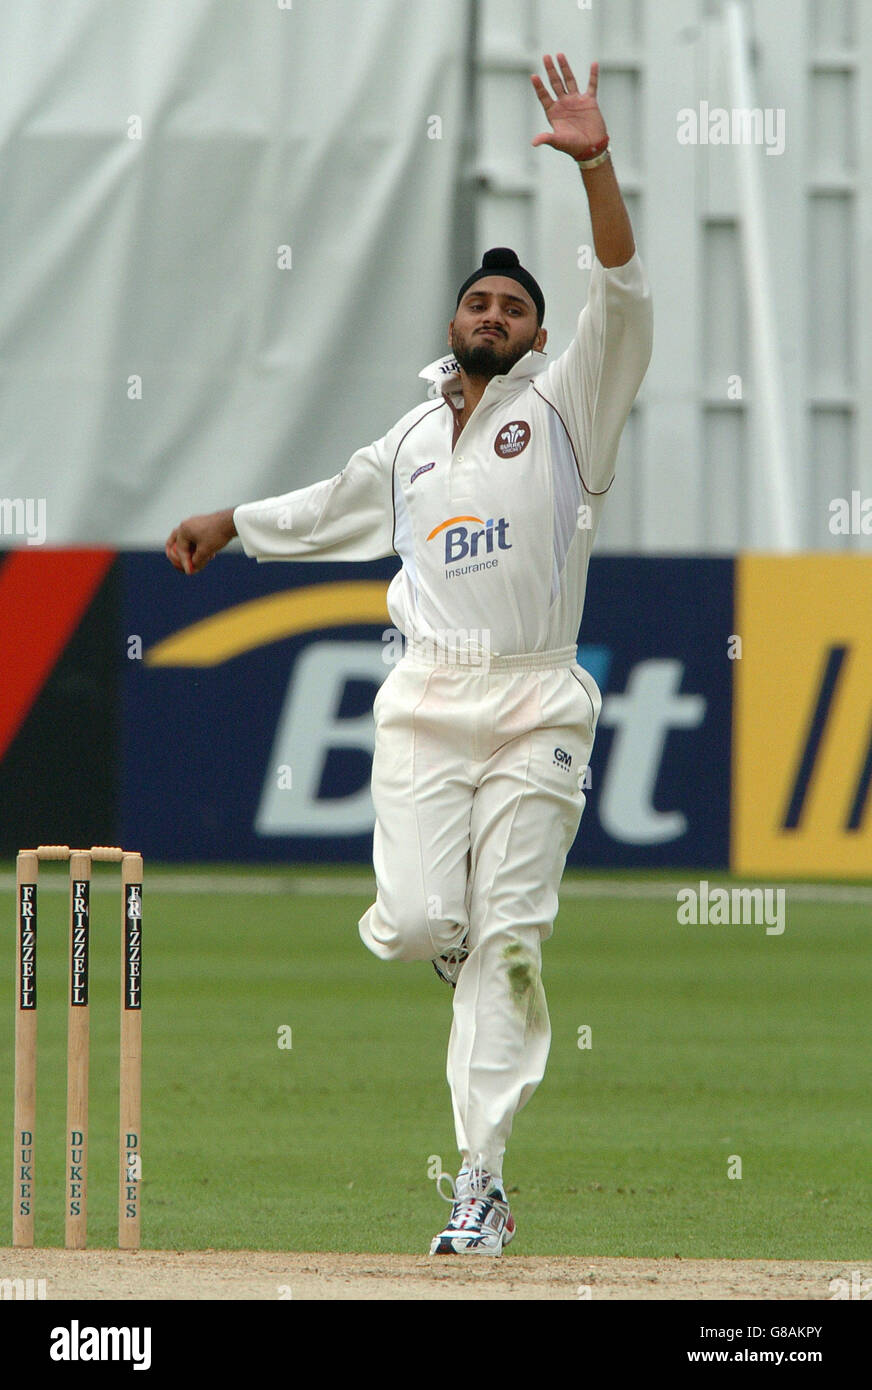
[512,439]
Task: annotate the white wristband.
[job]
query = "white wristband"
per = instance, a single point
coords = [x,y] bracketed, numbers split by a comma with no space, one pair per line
[593,163]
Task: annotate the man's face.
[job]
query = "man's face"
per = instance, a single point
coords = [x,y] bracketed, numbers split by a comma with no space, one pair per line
[494,326]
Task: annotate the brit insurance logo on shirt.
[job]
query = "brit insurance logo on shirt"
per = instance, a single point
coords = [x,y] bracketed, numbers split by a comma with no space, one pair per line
[512,439]
[472,538]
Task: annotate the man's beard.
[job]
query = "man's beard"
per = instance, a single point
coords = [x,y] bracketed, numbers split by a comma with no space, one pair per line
[488,358]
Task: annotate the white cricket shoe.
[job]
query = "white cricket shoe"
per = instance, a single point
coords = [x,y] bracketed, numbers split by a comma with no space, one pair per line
[448,967]
[481,1223]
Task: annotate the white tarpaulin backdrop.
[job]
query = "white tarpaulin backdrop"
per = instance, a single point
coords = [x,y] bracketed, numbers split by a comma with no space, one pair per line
[156,358]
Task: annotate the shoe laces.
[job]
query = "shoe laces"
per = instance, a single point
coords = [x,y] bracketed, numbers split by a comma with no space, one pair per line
[469,1205]
[478,1178]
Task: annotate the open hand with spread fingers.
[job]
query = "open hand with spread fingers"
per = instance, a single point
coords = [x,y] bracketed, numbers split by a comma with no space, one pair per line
[577,125]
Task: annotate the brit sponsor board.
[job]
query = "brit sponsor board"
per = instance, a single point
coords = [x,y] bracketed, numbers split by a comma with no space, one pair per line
[248,726]
[229,716]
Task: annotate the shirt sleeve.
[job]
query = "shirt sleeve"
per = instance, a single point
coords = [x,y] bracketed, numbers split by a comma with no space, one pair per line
[594,382]
[348,517]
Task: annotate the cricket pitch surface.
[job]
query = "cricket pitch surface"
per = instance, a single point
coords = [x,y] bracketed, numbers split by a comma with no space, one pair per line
[250,1274]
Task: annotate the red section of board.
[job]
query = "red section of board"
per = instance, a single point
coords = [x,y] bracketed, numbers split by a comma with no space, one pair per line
[43,596]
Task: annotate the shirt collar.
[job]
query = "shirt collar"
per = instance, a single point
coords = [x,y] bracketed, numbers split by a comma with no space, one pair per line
[444,374]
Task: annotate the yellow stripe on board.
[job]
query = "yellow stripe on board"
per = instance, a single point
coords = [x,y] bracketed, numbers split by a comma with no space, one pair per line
[802,716]
[262,620]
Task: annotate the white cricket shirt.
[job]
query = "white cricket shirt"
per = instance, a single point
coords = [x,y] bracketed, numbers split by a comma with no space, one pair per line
[494,526]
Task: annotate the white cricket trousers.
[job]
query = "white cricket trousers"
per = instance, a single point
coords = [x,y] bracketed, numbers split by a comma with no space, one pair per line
[477,787]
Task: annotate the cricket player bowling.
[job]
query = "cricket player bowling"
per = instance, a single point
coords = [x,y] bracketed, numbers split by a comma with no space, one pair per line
[490,493]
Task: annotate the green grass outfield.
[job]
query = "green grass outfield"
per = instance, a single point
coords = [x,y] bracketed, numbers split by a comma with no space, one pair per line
[707,1042]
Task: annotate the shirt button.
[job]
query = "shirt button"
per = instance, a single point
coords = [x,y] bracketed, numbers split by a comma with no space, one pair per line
[460,458]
